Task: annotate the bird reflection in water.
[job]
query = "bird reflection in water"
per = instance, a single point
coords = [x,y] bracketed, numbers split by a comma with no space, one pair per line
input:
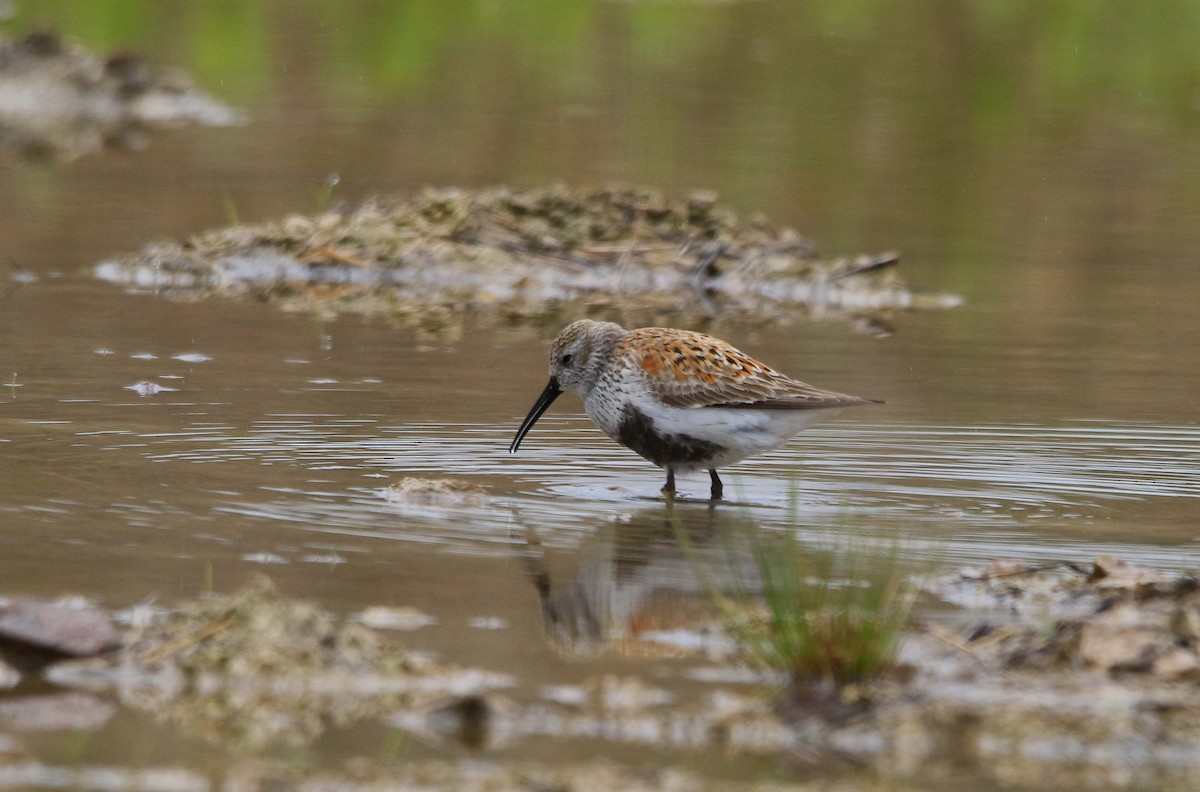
[631,582]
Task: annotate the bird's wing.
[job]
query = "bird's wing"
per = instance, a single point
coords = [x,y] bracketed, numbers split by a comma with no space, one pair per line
[763,392]
[685,369]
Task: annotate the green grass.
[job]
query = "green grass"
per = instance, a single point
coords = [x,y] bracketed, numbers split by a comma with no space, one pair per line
[819,615]
[822,623]
[325,194]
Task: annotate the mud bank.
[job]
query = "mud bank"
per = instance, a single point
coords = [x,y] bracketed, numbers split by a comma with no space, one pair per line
[1084,674]
[1087,675]
[60,102]
[525,256]
[258,670]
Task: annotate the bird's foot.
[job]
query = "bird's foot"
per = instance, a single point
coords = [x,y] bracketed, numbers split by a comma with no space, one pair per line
[668,489]
[718,489]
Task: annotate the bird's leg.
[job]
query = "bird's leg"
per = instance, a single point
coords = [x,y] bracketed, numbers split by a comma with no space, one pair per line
[718,489]
[669,488]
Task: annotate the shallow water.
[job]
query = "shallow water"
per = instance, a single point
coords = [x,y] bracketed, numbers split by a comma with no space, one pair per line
[1053,416]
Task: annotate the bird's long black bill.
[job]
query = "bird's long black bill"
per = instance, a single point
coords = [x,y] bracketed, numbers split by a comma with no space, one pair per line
[548,396]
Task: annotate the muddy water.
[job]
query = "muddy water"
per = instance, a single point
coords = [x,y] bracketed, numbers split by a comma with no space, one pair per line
[1053,416]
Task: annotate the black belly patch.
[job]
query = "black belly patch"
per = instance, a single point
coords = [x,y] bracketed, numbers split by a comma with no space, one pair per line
[636,432]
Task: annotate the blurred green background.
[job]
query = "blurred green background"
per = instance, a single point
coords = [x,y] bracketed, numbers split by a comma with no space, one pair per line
[1015,149]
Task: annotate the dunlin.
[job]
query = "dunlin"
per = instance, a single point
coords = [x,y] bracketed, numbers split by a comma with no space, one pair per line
[683,400]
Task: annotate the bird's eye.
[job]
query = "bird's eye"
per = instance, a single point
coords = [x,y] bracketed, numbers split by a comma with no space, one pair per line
[565,359]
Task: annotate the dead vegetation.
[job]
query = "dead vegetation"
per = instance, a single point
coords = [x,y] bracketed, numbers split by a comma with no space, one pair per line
[257,669]
[522,256]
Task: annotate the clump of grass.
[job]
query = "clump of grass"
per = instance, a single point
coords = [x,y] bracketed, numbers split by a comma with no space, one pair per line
[821,616]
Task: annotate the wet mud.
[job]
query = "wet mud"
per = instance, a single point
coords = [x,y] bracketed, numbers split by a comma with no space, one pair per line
[257,670]
[1083,673]
[538,255]
[1087,672]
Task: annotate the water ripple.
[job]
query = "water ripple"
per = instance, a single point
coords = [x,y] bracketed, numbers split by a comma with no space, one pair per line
[991,491]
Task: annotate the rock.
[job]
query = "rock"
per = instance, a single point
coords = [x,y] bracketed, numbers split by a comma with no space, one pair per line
[58,628]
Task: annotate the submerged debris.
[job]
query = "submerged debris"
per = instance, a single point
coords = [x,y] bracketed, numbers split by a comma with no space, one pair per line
[520,255]
[58,101]
[443,492]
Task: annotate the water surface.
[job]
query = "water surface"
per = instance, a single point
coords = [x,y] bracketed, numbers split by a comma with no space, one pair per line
[1053,416]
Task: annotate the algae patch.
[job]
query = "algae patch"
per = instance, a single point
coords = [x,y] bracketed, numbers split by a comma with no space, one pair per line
[426,260]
